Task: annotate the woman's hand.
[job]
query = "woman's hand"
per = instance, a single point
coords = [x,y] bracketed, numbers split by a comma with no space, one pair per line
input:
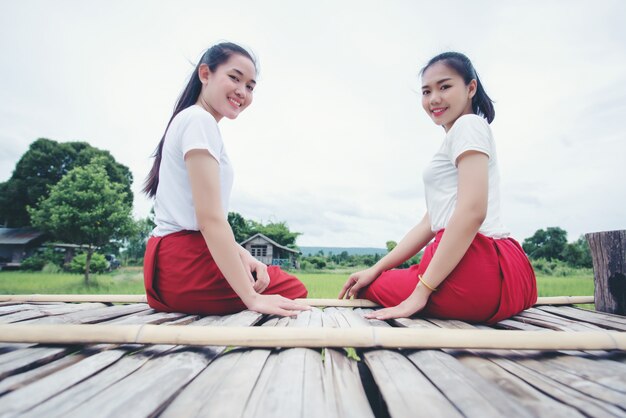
[414,303]
[260,272]
[357,281]
[275,305]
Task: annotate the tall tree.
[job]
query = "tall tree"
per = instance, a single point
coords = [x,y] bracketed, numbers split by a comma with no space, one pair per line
[239,225]
[548,243]
[43,166]
[578,253]
[86,208]
[135,245]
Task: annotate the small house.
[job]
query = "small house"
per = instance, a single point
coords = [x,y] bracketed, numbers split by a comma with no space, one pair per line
[270,252]
[16,244]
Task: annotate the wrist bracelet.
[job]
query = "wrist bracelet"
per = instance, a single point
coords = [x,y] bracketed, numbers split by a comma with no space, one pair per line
[432,289]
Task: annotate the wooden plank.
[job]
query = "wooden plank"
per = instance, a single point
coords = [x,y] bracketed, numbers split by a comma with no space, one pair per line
[601,320]
[555,322]
[146,390]
[28,358]
[577,382]
[399,382]
[222,389]
[66,401]
[78,394]
[473,395]
[535,401]
[344,392]
[484,362]
[8,309]
[20,316]
[606,372]
[154,318]
[14,382]
[283,388]
[21,400]
[566,395]
[93,316]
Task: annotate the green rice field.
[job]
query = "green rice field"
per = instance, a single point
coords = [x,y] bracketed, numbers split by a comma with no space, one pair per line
[320,284]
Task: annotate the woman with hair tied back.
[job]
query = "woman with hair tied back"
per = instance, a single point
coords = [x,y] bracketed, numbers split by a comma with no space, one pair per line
[193,263]
[473,270]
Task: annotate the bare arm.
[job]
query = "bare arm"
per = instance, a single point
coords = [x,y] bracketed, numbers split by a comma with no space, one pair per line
[468,216]
[203,172]
[410,245]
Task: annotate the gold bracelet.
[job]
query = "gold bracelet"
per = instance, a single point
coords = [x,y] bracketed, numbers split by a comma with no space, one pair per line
[432,289]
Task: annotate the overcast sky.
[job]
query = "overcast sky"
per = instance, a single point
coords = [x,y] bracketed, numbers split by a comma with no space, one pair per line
[336,139]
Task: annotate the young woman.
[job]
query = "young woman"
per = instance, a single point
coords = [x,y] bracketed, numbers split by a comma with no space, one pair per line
[192,262]
[472,270]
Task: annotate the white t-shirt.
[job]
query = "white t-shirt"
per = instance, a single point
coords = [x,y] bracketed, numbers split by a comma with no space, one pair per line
[192,128]
[469,132]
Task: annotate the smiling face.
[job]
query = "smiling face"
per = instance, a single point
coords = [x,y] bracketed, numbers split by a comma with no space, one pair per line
[228,90]
[445,96]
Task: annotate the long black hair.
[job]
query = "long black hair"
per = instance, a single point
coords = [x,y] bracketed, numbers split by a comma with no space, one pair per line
[481,103]
[213,57]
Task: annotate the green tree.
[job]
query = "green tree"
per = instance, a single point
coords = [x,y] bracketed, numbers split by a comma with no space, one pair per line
[578,254]
[391,245]
[135,245]
[548,243]
[239,225]
[85,207]
[43,166]
[277,231]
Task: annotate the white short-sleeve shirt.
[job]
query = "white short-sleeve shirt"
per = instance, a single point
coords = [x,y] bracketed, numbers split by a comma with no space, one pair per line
[469,133]
[192,128]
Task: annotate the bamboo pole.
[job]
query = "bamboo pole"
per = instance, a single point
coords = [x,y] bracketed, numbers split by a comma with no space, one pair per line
[365,337]
[350,303]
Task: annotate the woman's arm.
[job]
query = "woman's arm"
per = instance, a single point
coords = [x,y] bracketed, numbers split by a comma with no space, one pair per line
[262,279]
[411,244]
[468,216]
[204,176]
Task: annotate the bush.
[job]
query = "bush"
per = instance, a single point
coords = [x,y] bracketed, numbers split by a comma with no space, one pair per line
[51,268]
[37,261]
[98,263]
[555,268]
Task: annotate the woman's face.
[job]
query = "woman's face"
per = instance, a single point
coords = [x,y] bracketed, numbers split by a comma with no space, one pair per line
[445,96]
[228,90]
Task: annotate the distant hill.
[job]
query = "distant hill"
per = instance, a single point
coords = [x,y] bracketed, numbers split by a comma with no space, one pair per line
[338,250]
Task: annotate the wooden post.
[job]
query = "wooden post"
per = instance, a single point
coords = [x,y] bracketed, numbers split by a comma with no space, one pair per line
[608,250]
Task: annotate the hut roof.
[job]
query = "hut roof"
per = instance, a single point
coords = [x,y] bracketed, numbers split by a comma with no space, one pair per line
[12,236]
[274,243]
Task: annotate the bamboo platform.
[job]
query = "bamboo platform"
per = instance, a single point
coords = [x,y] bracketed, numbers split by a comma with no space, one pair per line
[158,377]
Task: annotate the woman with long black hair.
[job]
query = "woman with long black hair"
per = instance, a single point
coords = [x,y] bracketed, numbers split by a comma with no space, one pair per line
[192,262]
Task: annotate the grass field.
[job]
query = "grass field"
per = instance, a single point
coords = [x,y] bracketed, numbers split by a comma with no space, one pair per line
[321,285]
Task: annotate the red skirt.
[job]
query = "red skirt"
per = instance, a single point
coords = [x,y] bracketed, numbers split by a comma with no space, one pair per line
[493,281]
[180,275]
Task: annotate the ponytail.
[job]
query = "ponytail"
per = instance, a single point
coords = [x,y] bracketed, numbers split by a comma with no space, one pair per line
[482,104]
[213,58]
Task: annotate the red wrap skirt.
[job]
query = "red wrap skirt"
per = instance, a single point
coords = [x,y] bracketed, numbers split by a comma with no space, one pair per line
[493,281]
[180,275]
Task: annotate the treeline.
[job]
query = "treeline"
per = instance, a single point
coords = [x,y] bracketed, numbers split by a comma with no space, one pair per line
[551,254]
[548,250]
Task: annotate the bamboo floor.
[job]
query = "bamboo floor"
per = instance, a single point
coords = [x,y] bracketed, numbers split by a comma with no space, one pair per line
[134,380]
